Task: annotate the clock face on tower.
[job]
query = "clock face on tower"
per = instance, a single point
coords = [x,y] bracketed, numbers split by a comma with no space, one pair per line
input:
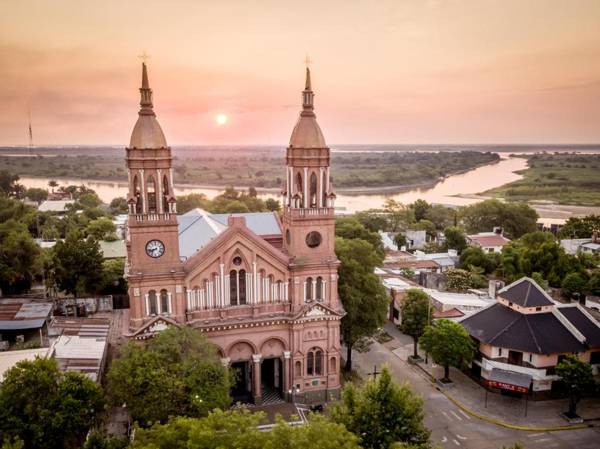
[155,248]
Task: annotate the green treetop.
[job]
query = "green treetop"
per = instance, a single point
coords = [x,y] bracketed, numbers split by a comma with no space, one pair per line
[449,344]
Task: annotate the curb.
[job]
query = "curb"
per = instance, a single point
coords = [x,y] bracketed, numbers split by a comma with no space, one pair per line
[501,423]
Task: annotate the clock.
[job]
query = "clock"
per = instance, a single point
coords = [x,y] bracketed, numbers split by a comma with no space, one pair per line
[155,248]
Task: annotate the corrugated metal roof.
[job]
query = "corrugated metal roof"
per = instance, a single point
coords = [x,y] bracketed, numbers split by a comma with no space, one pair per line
[14,325]
[198,227]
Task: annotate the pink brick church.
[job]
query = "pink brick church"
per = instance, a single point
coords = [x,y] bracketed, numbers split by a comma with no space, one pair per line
[261,288]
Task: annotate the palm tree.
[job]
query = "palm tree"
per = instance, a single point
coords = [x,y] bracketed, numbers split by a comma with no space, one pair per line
[52,183]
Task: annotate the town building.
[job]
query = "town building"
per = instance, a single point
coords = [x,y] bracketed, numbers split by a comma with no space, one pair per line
[489,242]
[445,260]
[525,334]
[263,290]
[23,321]
[574,246]
[57,207]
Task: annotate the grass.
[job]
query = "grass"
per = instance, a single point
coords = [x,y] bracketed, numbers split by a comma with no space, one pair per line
[563,178]
[244,167]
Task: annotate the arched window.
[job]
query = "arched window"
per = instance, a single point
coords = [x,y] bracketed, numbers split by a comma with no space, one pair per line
[309,288]
[233,288]
[323,189]
[137,195]
[314,362]
[319,363]
[310,363]
[319,292]
[164,301]
[242,286]
[313,190]
[299,187]
[151,189]
[152,304]
[165,194]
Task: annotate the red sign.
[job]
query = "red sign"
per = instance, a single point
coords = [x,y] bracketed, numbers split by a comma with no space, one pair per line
[509,387]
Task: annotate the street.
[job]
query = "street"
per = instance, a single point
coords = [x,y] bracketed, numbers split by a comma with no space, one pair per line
[452,427]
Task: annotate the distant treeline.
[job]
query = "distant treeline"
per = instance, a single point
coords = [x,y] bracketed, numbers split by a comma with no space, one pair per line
[262,167]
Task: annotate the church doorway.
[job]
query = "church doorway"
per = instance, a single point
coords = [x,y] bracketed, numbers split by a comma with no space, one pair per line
[242,382]
[271,376]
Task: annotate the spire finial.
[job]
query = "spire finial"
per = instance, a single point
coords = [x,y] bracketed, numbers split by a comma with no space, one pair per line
[145,91]
[307,62]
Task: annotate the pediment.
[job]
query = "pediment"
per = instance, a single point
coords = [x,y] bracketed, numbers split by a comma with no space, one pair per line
[236,235]
[317,311]
[152,327]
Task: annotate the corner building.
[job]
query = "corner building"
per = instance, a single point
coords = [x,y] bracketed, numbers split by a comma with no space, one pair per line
[262,288]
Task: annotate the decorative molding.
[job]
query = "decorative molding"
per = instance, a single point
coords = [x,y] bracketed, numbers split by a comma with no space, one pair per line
[287,354]
[136,291]
[256,358]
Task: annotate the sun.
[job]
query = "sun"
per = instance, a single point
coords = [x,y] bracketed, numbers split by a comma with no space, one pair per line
[221,119]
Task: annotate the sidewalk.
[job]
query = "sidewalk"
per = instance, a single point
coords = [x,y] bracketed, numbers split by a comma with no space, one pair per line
[471,395]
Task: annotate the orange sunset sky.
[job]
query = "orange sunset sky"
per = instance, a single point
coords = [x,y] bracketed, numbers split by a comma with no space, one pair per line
[387,71]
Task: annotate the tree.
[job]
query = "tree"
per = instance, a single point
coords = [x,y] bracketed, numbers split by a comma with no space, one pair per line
[239,429]
[118,206]
[374,220]
[185,203]
[574,285]
[440,216]
[36,194]
[18,257]
[416,315]
[427,226]
[52,184]
[89,199]
[516,219]
[350,228]
[382,413]
[97,440]
[77,264]
[458,280]
[179,373]
[594,284]
[364,298]
[455,238]
[578,379]
[272,205]
[476,257]
[449,344]
[580,227]
[47,408]
[420,208]
[9,185]
[102,229]
[400,240]
[399,216]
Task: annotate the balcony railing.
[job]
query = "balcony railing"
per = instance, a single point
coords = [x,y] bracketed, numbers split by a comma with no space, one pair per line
[310,212]
[152,217]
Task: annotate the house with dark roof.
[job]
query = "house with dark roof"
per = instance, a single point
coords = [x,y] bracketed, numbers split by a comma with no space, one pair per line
[525,334]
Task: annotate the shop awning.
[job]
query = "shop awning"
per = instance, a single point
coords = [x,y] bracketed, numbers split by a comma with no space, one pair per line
[509,380]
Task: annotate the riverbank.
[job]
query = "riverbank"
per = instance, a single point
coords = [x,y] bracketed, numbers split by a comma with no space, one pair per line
[565,179]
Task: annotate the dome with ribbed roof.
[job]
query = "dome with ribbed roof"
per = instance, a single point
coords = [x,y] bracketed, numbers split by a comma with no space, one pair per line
[307,132]
[147,132]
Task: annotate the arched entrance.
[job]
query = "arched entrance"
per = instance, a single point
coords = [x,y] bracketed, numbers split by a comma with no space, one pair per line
[240,357]
[272,372]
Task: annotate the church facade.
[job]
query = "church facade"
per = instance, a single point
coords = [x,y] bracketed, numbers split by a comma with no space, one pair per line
[261,287]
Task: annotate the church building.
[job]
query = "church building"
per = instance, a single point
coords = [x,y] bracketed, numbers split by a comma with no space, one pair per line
[262,287]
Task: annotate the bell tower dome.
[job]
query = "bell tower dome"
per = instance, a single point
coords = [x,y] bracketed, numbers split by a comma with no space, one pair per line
[308,208]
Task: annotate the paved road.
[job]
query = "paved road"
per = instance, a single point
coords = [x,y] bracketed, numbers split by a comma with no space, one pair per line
[453,428]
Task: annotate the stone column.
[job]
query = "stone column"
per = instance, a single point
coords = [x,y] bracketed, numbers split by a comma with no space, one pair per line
[143,192]
[305,199]
[321,187]
[159,196]
[256,390]
[287,374]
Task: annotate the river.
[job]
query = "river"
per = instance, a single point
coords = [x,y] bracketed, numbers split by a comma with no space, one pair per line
[445,192]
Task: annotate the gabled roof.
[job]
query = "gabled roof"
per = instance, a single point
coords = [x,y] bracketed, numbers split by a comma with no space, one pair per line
[197,228]
[584,323]
[526,293]
[539,333]
[229,233]
[486,240]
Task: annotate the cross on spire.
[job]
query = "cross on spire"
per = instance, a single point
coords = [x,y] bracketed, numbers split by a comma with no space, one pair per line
[144,56]
[307,61]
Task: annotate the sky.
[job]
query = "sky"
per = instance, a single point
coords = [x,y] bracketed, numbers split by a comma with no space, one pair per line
[385,71]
